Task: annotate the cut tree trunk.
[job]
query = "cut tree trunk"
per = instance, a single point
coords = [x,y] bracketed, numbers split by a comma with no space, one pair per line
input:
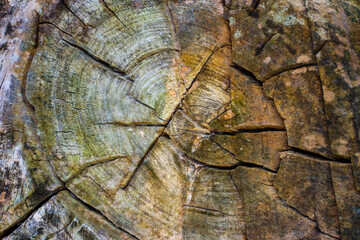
[180,119]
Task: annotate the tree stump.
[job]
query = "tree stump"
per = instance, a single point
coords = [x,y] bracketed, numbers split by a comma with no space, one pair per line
[180,119]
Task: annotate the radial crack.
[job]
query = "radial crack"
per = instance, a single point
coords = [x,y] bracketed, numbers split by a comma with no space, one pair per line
[171,16]
[142,103]
[290,68]
[150,148]
[94,163]
[69,9]
[116,16]
[93,209]
[169,120]
[250,130]
[261,48]
[21,220]
[201,209]
[247,73]
[130,124]
[28,65]
[101,62]
[317,156]
[52,24]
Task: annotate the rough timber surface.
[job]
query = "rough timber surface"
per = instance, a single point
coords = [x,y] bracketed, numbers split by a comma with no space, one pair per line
[180,119]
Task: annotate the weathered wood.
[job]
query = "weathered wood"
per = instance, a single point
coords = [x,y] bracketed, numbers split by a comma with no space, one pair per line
[179,119]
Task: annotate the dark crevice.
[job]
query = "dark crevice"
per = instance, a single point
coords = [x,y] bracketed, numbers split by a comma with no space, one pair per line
[156,53]
[21,220]
[69,9]
[4,46]
[171,16]
[50,23]
[223,3]
[318,49]
[322,101]
[253,9]
[2,81]
[101,62]
[318,156]
[254,130]
[255,5]
[166,135]
[221,147]
[247,73]
[226,168]
[9,29]
[327,234]
[142,103]
[297,211]
[149,149]
[122,124]
[241,164]
[203,209]
[199,71]
[91,208]
[317,228]
[261,48]
[308,22]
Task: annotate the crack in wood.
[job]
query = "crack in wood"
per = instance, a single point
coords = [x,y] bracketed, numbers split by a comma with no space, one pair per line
[322,99]
[171,16]
[202,209]
[93,209]
[262,46]
[138,124]
[88,165]
[71,11]
[28,65]
[121,74]
[317,156]
[58,28]
[169,120]
[240,164]
[142,103]
[97,184]
[9,230]
[291,68]
[115,15]
[247,73]
[224,168]
[256,129]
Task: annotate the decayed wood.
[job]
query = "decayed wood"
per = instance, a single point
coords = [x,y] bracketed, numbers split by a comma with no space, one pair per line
[179,119]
